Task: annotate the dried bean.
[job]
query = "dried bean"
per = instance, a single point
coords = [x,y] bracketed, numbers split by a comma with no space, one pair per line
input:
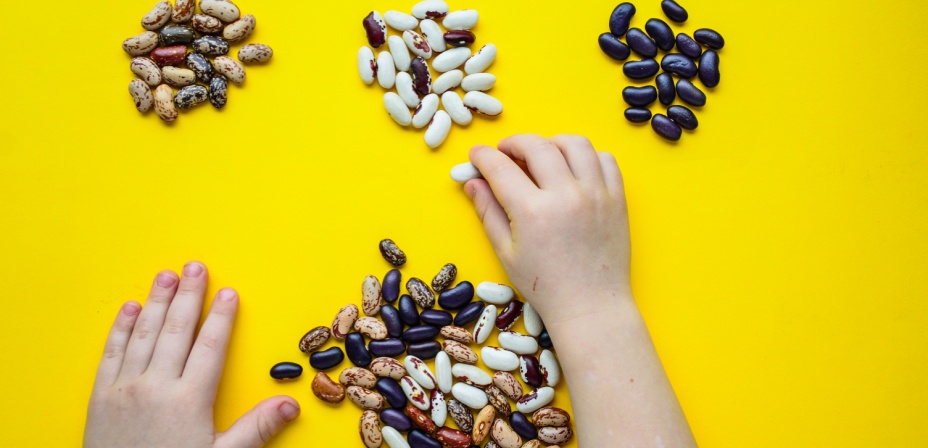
[417,44]
[499,401]
[176,35]
[388,367]
[482,423]
[530,371]
[552,435]
[434,36]
[408,311]
[400,21]
[206,24]
[421,77]
[665,89]
[637,115]
[141,94]
[218,91]
[535,400]
[551,416]
[709,38]
[661,33]
[481,60]
[326,389]
[371,327]
[158,17]
[313,339]
[418,418]
[396,419]
[211,46]
[679,65]
[688,46]
[420,292]
[439,408]
[640,43]
[240,29]
[414,393]
[690,93]
[709,69]
[509,316]
[523,426]
[369,429]
[457,334]
[613,47]
[550,369]
[375,28]
[499,359]
[371,298]
[391,285]
[453,438]
[620,19]
[179,77]
[639,96]
[223,10]
[141,44]
[443,372]
[200,66]
[391,319]
[461,415]
[508,384]
[183,10]
[387,347]
[421,333]
[356,350]
[504,435]
[544,339]
[365,399]
[165,56]
[674,11]
[357,376]
[438,130]
[286,371]
[419,439]
[420,371]
[460,352]
[400,52]
[430,9]
[344,321]
[255,53]
[424,350]
[392,391]
[469,313]
[495,293]
[445,277]
[326,359]
[641,69]
[665,127]
[436,318]
[459,38]
[461,20]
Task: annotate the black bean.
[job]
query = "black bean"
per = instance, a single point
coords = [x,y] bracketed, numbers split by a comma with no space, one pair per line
[424,350]
[660,31]
[326,359]
[419,439]
[665,89]
[531,370]
[679,65]
[457,297]
[674,11]
[613,47]
[469,313]
[392,253]
[640,43]
[639,96]
[666,128]
[387,347]
[286,371]
[396,419]
[690,94]
[436,318]
[190,96]
[688,46]
[391,285]
[211,46]
[391,319]
[218,91]
[709,38]
[408,311]
[200,65]
[641,69]
[421,333]
[544,339]
[683,117]
[177,35]
[357,351]
[620,18]
[523,426]
[637,114]
[709,69]
[392,391]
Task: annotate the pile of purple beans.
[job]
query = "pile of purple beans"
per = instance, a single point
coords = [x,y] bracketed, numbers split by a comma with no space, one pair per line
[689,62]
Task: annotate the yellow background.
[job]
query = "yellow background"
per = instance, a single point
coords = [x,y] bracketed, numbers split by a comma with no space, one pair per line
[779,251]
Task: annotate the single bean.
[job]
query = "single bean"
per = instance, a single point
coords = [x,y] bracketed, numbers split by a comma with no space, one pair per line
[438,129]
[495,293]
[457,297]
[438,407]
[683,117]
[613,47]
[530,371]
[183,10]
[634,115]
[518,343]
[200,65]
[461,415]
[327,390]
[665,127]
[640,43]
[230,68]
[469,313]
[240,29]
[709,38]
[141,44]
[544,339]
[369,429]
[178,77]
[641,69]
[417,44]
[364,398]
[508,384]
[435,9]
[674,11]
[420,371]
[326,359]
[443,371]
[391,319]
[409,314]
[391,285]
[164,103]
[550,369]
[481,60]
[459,38]
[313,339]
[484,325]
[639,96]
[375,28]
[662,34]
[433,35]
[344,321]
[509,316]
[211,46]
[436,318]
[141,94]
[422,421]
[414,392]
[400,21]
[190,96]
[665,89]
[420,292]
[535,400]
[165,56]
[499,401]
[688,46]
[424,350]
[255,53]
[620,19]
[371,327]
[223,10]
[504,435]
[146,70]
[357,376]
[690,93]
[553,435]
[388,367]
[356,350]
[551,416]
[206,24]
[444,278]
[371,295]
[176,35]
[419,439]
[523,426]
[453,438]
[392,391]
[396,419]
[679,65]
[158,17]
[387,347]
[709,69]
[421,333]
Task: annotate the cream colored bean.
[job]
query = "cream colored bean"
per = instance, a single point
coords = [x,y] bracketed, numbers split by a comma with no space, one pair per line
[206,24]
[369,429]
[146,70]
[230,68]
[142,44]
[178,77]
[447,81]
[367,65]
[438,130]
[365,399]
[386,70]
[240,29]
[456,109]
[400,21]
[183,10]
[478,82]
[481,60]
[357,376]
[405,89]
[433,34]
[504,435]
[158,17]
[141,94]
[400,52]
[255,53]
[388,368]
[164,103]
[371,327]
[344,321]
[425,111]
[397,109]
[221,9]
[371,296]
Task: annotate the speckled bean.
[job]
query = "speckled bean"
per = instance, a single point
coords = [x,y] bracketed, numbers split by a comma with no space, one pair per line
[438,407]
[420,419]
[206,24]
[344,321]
[485,324]
[417,44]
[164,103]
[483,423]
[146,70]
[255,53]
[211,46]
[176,35]
[504,435]
[369,429]
[388,367]
[371,327]
[183,10]
[499,401]
[430,9]
[414,393]
[158,16]
[200,66]
[327,390]
[223,10]
[141,94]
[240,29]
[535,400]
[453,438]
[420,292]
[550,369]
[364,398]
[357,376]
[461,415]
[178,77]
[218,91]
[552,435]
[141,44]
[420,371]
[508,384]
[551,416]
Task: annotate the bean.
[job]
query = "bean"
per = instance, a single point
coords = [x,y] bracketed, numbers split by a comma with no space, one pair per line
[532,321]
[393,438]
[390,290]
[482,423]
[483,103]
[165,56]
[183,10]
[240,29]
[388,367]
[550,369]
[674,11]
[445,278]
[530,371]
[206,24]
[453,438]
[641,69]
[371,327]
[523,426]
[499,359]
[400,52]
[424,350]
[141,44]
[478,82]
[709,38]
[392,253]
[535,400]
[433,35]
[356,350]
[665,127]
[665,89]
[420,420]
[417,44]
[369,429]
[679,65]
[200,66]
[438,130]
[461,415]
[443,371]
[464,19]
[508,384]
[613,47]
[504,435]
[421,77]
[396,419]
[639,96]
[419,371]
[485,324]
[519,344]
[620,19]
[709,69]
[457,334]
[409,314]
[255,53]
[470,396]
[551,416]
[158,17]
[640,43]
[211,46]
[544,339]
[357,376]
[400,21]
[313,339]
[419,439]
[223,10]
[414,393]
[460,352]
[661,33]
[554,435]
[472,375]
[344,321]
[457,297]
[218,91]
[392,391]
[146,70]
[635,115]
[430,9]
[326,359]
[367,65]
[425,111]
[387,347]
[141,94]
[508,317]
[469,313]
[688,46]
[164,103]
[683,117]
[375,28]
[326,389]
[176,35]
[436,318]
[438,407]
[495,293]
[371,297]
[480,61]
[230,68]
[690,93]
[391,319]
[178,77]
[459,38]
[365,399]
[499,401]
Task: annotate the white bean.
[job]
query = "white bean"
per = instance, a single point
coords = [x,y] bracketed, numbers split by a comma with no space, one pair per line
[454,105]
[424,113]
[433,35]
[485,324]
[461,20]
[416,44]
[499,359]
[478,82]
[483,103]
[533,324]
[386,70]
[465,172]
[469,396]
[419,371]
[406,90]
[443,372]
[519,344]
[495,293]
[400,21]
[414,393]
[397,109]
[401,58]
[367,66]
[480,61]
[438,130]
[394,438]
[445,82]
[472,375]
[451,59]
[430,9]
[535,400]
[550,368]
[439,408]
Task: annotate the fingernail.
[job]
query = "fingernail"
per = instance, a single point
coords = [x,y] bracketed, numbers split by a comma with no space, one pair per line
[166,280]
[226,294]
[193,270]
[131,308]
[288,411]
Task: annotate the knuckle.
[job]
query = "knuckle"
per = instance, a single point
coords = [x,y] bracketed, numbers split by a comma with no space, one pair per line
[113,352]
[176,326]
[211,342]
[143,332]
[265,427]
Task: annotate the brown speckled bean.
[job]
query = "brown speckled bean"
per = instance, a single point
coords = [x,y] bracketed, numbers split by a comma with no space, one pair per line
[344,321]
[388,367]
[240,29]
[158,17]
[366,399]
[508,384]
[459,352]
[327,390]
[178,77]
[230,68]
[164,103]
[146,70]
[457,334]
[255,53]
[357,376]
[499,401]
[141,94]
[371,295]
[221,9]
[369,429]
[550,416]
[554,435]
[183,10]
[445,277]
[206,24]
[142,44]
[504,435]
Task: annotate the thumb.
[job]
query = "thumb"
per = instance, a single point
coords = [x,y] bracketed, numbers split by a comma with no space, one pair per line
[491,213]
[258,425]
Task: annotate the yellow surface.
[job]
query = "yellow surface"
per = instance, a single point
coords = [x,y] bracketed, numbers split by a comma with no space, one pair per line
[779,251]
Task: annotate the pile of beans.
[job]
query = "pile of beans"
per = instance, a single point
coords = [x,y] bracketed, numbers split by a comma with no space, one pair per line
[409,396]
[690,62]
[411,75]
[160,53]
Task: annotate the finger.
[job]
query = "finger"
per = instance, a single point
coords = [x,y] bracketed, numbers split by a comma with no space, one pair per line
[149,323]
[545,162]
[492,215]
[256,427]
[612,176]
[509,183]
[176,336]
[208,356]
[115,350]
[581,158]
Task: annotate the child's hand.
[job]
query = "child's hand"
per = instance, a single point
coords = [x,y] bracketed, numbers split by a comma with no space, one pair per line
[156,387]
[557,218]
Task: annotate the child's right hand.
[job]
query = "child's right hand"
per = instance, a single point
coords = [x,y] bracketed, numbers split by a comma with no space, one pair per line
[554,210]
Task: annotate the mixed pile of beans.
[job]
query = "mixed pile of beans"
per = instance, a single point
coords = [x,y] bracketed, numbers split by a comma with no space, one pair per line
[658,36]
[411,75]
[160,52]
[409,396]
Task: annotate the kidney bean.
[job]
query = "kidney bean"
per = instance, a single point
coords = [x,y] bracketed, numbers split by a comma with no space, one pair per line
[666,92]
[419,439]
[709,69]
[286,371]
[421,333]
[422,421]
[357,351]
[392,391]
[396,419]
[523,426]
[674,11]
[640,43]
[661,33]
[421,77]
[709,38]
[390,289]
[391,319]
[544,339]
[690,93]
[420,292]
[387,347]
[211,46]
[200,65]
[679,65]
[436,318]
[634,115]
[165,56]
[446,275]
[459,38]
[665,127]
[530,371]
[461,415]
[326,359]
[641,69]
[409,314]
[620,19]
[508,317]
[176,35]
[613,47]
[688,46]
[392,253]
[457,297]
[375,28]
[424,350]
[453,438]
[469,313]
[639,96]
[683,117]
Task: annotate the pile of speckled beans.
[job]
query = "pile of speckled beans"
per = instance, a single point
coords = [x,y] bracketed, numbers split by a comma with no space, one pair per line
[409,396]
[159,51]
